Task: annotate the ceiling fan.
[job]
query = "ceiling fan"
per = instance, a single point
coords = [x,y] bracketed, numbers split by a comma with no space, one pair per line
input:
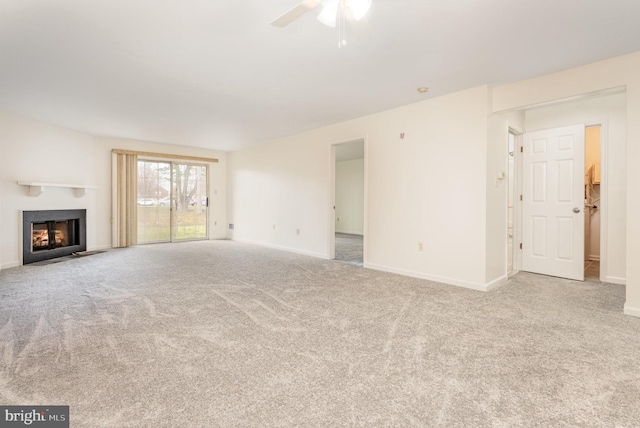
[331,9]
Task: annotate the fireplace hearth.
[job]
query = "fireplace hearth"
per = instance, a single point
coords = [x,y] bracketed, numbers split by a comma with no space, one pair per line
[52,233]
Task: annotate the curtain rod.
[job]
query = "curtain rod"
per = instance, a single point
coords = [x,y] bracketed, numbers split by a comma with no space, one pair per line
[164,155]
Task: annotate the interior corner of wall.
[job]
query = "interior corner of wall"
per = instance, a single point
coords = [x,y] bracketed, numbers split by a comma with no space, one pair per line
[495,283]
[631,310]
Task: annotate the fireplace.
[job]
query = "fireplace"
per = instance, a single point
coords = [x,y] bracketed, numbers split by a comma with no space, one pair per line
[52,233]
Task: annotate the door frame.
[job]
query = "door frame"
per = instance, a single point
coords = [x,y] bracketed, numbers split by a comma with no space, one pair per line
[172,214]
[331,226]
[517,208]
[604,193]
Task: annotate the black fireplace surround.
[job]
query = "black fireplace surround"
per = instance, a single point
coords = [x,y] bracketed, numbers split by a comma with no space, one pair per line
[52,233]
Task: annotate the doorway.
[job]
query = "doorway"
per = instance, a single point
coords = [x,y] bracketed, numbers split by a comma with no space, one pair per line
[173,201]
[591,219]
[348,219]
[592,202]
[603,114]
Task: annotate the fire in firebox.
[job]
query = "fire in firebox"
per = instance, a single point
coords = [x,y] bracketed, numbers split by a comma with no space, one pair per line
[40,238]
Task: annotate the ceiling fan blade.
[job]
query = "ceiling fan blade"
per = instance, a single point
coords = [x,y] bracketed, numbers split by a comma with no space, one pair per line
[294,13]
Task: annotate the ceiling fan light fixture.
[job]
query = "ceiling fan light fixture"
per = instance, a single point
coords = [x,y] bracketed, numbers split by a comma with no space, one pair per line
[328,16]
[329,13]
[359,8]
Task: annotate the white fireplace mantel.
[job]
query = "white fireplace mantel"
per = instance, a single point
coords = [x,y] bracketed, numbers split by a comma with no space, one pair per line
[36,188]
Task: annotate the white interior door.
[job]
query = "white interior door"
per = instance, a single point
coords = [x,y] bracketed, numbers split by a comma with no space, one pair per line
[553,202]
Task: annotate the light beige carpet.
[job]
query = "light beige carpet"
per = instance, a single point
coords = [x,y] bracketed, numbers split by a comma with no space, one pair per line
[349,248]
[219,333]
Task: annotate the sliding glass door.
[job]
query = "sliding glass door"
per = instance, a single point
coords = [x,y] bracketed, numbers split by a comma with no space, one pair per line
[154,192]
[172,201]
[190,211]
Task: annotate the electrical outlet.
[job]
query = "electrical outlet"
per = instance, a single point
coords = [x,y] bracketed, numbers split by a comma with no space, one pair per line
[297,231]
[420,246]
[338,218]
[274,227]
[215,223]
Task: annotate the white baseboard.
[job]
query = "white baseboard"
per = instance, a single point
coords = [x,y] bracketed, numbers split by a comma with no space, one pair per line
[218,237]
[615,280]
[444,280]
[99,248]
[630,310]
[279,247]
[10,265]
[594,258]
[441,279]
[496,283]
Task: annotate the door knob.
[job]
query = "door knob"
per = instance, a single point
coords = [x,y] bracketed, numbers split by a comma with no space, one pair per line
[576,210]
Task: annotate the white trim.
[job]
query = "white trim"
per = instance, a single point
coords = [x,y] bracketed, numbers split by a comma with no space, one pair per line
[498,282]
[365,220]
[516,190]
[280,247]
[10,265]
[517,206]
[513,273]
[630,310]
[620,89]
[603,206]
[441,279]
[614,280]
[36,188]
[331,227]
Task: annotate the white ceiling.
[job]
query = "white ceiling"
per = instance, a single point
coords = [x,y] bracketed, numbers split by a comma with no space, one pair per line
[215,74]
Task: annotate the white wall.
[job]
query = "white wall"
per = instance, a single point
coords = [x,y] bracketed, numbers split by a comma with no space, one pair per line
[496,193]
[350,196]
[611,110]
[36,151]
[616,72]
[424,187]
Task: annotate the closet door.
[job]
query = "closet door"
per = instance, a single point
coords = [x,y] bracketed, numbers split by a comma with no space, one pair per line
[553,202]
